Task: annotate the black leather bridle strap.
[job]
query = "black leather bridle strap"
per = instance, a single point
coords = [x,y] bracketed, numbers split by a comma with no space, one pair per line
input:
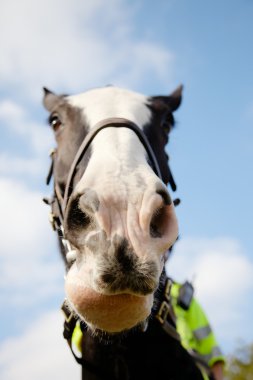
[59,202]
[110,122]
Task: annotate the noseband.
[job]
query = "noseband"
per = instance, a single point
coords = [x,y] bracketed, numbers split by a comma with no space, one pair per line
[107,123]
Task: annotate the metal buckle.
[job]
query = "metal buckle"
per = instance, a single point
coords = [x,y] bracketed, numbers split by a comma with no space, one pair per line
[168,289]
[67,313]
[163,312]
[65,242]
[51,217]
[52,152]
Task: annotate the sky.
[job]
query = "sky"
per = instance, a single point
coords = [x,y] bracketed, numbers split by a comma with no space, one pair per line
[149,47]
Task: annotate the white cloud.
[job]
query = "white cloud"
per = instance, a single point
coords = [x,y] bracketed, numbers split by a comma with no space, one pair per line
[223,279]
[16,120]
[30,265]
[11,113]
[13,166]
[74,44]
[39,353]
[23,220]
[148,60]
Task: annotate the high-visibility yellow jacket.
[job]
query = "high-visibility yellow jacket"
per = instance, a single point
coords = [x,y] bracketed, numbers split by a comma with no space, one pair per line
[194,329]
[77,337]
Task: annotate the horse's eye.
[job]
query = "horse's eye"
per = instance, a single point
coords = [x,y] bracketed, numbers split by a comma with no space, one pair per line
[55,122]
[166,126]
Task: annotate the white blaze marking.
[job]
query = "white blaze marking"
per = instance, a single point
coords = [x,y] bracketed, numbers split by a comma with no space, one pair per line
[102,103]
[118,156]
[118,170]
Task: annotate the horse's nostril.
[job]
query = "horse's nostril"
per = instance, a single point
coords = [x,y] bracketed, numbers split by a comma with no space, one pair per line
[77,218]
[158,223]
[165,196]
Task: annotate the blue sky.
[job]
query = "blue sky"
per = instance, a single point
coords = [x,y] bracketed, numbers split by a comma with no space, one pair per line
[149,47]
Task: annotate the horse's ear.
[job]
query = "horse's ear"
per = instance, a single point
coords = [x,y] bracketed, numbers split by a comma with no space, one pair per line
[174,100]
[169,103]
[50,99]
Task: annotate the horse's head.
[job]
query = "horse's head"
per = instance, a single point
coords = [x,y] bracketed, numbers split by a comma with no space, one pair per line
[117,213]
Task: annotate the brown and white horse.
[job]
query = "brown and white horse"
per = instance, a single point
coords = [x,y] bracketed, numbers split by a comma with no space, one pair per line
[111,204]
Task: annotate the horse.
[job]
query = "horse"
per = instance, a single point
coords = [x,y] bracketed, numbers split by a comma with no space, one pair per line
[116,220]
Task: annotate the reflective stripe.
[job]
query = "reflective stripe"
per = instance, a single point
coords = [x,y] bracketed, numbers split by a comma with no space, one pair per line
[216,352]
[202,332]
[77,337]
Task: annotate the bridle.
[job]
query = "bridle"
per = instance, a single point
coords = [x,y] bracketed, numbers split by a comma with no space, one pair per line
[59,203]
[162,312]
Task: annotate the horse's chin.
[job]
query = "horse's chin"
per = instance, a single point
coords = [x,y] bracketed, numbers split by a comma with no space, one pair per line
[108,313]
